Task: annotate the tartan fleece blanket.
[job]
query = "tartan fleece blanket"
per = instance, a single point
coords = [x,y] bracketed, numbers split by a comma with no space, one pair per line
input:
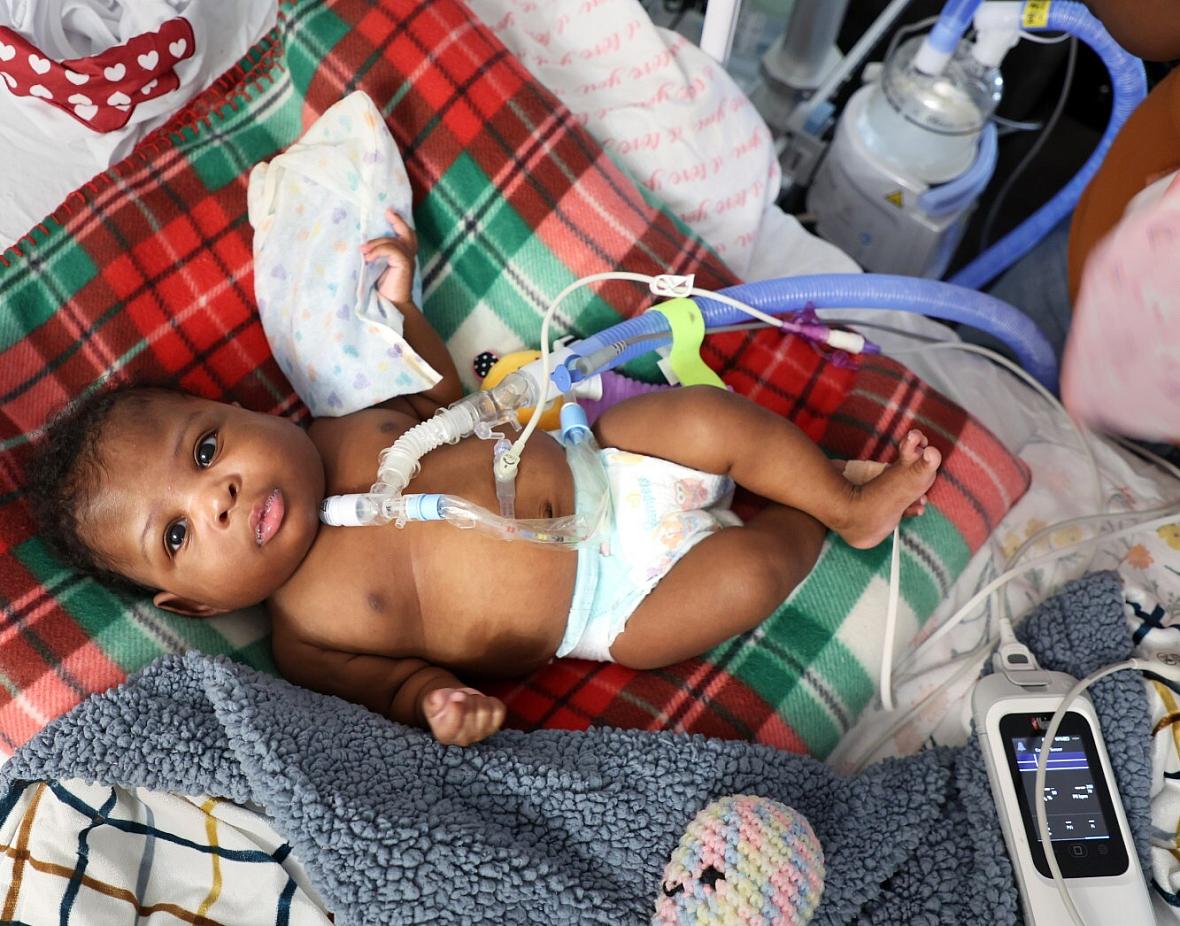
[146,273]
[550,827]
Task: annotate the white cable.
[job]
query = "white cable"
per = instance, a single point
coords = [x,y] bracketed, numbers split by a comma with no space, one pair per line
[1045,560]
[1162,514]
[905,32]
[768,320]
[1151,456]
[999,604]
[511,458]
[886,692]
[1027,378]
[1043,39]
[1032,540]
[1015,126]
[972,662]
[1039,782]
[891,621]
[969,658]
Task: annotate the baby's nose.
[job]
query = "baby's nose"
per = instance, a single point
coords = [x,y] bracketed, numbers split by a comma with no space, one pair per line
[224,498]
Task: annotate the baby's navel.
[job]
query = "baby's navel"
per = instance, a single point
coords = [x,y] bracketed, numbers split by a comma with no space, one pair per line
[376,602]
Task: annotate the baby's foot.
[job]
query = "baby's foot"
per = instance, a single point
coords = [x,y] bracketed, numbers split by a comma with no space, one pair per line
[884,493]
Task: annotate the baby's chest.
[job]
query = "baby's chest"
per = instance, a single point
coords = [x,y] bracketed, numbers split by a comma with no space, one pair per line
[449,596]
[356,591]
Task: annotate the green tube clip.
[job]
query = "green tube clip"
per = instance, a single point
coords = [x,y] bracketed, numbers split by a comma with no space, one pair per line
[688,333]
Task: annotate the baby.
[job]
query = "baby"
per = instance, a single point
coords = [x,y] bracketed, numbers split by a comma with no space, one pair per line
[213,507]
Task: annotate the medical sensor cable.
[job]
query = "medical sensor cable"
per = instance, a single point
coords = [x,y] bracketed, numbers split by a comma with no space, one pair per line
[1171,673]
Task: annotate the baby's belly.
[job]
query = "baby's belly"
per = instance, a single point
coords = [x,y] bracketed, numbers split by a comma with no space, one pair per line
[490,605]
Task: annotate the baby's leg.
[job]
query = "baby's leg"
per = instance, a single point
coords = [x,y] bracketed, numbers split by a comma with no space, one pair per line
[720,432]
[727,584]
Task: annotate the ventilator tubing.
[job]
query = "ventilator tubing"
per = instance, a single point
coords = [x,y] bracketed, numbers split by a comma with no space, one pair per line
[1129,84]
[650,330]
[477,414]
[483,412]
[943,39]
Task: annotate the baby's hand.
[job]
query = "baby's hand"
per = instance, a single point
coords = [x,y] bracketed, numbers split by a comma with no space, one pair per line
[396,283]
[462,716]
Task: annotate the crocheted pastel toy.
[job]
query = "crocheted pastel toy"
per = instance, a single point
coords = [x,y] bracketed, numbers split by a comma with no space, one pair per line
[743,860]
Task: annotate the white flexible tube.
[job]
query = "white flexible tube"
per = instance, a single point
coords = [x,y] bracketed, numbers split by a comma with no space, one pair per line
[508,462]
[399,463]
[999,605]
[891,621]
[718,29]
[1045,560]
[971,659]
[1039,783]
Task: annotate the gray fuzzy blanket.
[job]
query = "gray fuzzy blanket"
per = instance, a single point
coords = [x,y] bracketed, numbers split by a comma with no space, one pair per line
[559,827]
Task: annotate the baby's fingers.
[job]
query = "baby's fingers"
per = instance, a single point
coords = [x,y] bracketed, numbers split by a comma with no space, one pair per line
[483,717]
[460,717]
[489,717]
[402,228]
[445,713]
[381,247]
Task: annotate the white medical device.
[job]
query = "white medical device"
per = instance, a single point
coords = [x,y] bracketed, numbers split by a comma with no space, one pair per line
[1088,829]
[912,152]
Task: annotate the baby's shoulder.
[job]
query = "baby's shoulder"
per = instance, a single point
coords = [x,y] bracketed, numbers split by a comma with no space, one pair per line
[388,424]
[304,600]
[348,576]
[349,445]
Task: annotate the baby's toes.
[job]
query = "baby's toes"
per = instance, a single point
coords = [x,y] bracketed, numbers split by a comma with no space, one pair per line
[931,459]
[919,475]
[916,508]
[911,447]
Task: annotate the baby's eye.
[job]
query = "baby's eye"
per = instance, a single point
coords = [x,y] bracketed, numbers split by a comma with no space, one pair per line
[174,536]
[206,450]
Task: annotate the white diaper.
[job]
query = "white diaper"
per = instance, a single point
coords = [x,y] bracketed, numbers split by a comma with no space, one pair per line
[661,510]
[312,207]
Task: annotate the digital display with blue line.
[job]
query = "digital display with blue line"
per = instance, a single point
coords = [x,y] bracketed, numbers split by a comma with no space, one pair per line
[1071,800]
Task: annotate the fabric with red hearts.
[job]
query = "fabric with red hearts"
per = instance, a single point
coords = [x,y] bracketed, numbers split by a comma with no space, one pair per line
[100,91]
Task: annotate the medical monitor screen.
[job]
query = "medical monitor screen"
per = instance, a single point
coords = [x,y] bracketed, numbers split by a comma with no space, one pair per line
[1082,824]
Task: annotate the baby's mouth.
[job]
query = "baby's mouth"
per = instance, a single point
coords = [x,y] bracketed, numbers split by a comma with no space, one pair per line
[267,517]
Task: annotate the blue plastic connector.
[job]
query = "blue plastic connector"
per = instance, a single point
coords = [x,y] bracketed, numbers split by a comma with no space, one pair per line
[952,24]
[426,507]
[574,424]
[562,376]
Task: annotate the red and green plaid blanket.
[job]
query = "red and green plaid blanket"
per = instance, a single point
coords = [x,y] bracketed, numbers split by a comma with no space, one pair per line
[146,273]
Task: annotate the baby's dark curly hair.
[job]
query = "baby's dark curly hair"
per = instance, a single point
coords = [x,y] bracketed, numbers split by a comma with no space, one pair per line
[66,468]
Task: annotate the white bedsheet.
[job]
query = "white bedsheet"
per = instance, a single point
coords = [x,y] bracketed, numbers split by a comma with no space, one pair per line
[47,153]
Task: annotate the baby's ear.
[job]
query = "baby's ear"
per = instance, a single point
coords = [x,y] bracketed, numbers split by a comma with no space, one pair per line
[185,606]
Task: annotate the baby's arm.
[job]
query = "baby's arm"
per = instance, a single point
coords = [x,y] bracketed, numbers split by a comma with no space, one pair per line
[396,285]
[409,691]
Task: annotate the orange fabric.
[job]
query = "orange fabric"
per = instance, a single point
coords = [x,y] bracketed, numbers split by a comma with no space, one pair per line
[1147,147]
[1149,29]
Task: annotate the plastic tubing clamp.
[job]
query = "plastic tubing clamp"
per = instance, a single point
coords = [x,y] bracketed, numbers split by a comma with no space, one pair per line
[688,333]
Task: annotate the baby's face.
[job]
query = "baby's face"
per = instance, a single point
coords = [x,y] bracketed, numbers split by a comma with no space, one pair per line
[213,505]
